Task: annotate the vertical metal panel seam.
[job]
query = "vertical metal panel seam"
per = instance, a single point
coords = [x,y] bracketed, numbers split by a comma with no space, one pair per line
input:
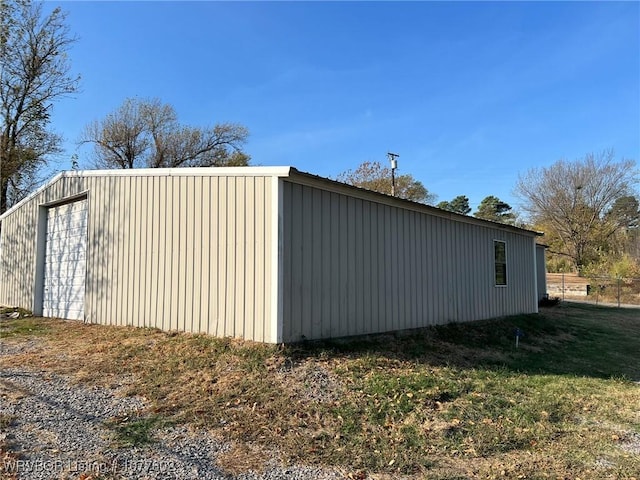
[169,292]
[206,241]
[185,235]
[249,317]
[223,242]
[198,247]
[192,221]
[115,212]
[535,277]
[134,253]
[123,278]
[163,261]
[87,263]
[256,318]
[277,298]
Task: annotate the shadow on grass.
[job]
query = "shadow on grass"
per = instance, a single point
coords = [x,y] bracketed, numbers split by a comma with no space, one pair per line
[381,403]
[569,339]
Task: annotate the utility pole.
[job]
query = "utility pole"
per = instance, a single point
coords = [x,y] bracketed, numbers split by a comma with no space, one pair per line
[394,166]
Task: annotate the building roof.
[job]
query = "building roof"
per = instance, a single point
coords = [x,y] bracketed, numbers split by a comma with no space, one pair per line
[288,172]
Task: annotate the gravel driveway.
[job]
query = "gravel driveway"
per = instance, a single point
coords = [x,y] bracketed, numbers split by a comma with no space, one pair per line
[55,429]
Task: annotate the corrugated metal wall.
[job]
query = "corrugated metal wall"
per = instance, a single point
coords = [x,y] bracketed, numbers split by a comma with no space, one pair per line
[541,272]
[18,240]
[184,252]
[195,252]
[353,266]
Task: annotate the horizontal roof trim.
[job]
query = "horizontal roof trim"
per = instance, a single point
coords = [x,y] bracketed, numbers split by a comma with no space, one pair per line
[160,172]
[371,195]
[185,172]
[289,172]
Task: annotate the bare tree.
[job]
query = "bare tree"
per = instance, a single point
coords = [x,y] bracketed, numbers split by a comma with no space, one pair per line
[373,176]
[572,200]
[120,139]
[34,73]
[146,133]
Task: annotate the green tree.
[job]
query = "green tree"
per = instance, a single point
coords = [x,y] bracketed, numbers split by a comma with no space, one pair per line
[459,204]
[373,176]
[571,200]
[493,209]
[34,73]
[146,133]
[625,212]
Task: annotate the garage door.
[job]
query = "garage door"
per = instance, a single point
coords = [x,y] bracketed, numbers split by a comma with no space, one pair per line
[65,261]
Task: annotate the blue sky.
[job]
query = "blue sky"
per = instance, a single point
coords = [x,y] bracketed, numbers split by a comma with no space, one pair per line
[470,94]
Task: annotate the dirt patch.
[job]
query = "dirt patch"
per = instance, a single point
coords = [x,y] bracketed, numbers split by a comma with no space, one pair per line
[312,382]
[631,443]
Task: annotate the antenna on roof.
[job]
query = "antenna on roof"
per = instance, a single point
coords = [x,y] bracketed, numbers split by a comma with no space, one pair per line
[394,166]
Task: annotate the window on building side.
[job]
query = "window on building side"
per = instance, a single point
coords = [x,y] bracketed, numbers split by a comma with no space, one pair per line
[500,249]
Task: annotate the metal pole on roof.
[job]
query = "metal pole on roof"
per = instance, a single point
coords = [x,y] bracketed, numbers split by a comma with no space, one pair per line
[394,166]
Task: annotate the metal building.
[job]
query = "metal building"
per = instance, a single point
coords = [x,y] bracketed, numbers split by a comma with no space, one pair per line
[269,254]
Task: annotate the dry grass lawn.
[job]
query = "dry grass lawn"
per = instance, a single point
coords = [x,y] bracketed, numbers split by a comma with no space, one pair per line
[450,402]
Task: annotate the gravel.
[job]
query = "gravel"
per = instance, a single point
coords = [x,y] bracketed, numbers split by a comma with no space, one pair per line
[18,348]
[55,429]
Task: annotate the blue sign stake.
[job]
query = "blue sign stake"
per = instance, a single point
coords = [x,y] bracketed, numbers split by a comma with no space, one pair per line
[519,333]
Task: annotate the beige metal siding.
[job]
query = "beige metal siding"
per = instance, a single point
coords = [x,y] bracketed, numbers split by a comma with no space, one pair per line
[231,254]
[19,234]
[186,252]
[355,266]
[16,271]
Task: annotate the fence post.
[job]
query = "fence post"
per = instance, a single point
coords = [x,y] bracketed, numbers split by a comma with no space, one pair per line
[563,285]
[618,292]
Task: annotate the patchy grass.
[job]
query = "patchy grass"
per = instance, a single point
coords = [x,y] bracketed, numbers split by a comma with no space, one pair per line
[6,421]
[456,401]
[134,432]
[23,327]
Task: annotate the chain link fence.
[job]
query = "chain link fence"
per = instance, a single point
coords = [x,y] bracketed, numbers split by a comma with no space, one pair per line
[596,289]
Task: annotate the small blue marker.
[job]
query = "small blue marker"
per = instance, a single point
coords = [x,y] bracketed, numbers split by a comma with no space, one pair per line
[519,333]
